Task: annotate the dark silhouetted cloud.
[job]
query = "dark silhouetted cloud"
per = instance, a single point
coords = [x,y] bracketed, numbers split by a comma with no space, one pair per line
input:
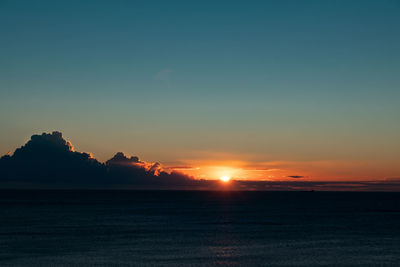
[296,176]
[49,161]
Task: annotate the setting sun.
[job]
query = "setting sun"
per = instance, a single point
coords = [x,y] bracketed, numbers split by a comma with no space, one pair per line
[225,178]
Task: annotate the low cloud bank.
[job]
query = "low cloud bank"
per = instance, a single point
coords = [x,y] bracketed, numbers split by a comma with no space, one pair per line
[48,161]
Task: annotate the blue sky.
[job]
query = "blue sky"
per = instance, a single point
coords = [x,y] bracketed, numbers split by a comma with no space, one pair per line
[184,81]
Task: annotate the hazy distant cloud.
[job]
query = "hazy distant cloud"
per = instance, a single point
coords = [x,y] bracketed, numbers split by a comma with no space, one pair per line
[262,169]
[183,168]
[381,185]
[394,179]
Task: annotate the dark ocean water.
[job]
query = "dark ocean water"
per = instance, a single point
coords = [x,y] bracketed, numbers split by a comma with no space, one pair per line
[178,228]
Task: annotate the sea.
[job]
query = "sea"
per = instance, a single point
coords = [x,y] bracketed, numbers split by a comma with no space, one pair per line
[198,228]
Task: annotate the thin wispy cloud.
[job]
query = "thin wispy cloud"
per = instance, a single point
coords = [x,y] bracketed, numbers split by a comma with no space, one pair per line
[164,76]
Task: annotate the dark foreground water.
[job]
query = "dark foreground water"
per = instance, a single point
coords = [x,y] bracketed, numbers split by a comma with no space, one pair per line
[153,228]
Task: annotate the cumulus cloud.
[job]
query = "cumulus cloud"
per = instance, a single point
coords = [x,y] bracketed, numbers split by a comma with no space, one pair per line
[49,161]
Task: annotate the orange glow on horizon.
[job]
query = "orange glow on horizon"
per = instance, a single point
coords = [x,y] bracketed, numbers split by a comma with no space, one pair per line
[320,170]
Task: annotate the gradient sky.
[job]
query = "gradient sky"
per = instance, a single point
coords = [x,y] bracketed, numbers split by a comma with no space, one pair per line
[250,89]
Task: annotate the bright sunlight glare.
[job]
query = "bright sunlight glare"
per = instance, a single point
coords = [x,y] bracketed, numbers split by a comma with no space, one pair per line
[225,178]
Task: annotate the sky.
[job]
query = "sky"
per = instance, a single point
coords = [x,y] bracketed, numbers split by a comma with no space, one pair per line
[255,90]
